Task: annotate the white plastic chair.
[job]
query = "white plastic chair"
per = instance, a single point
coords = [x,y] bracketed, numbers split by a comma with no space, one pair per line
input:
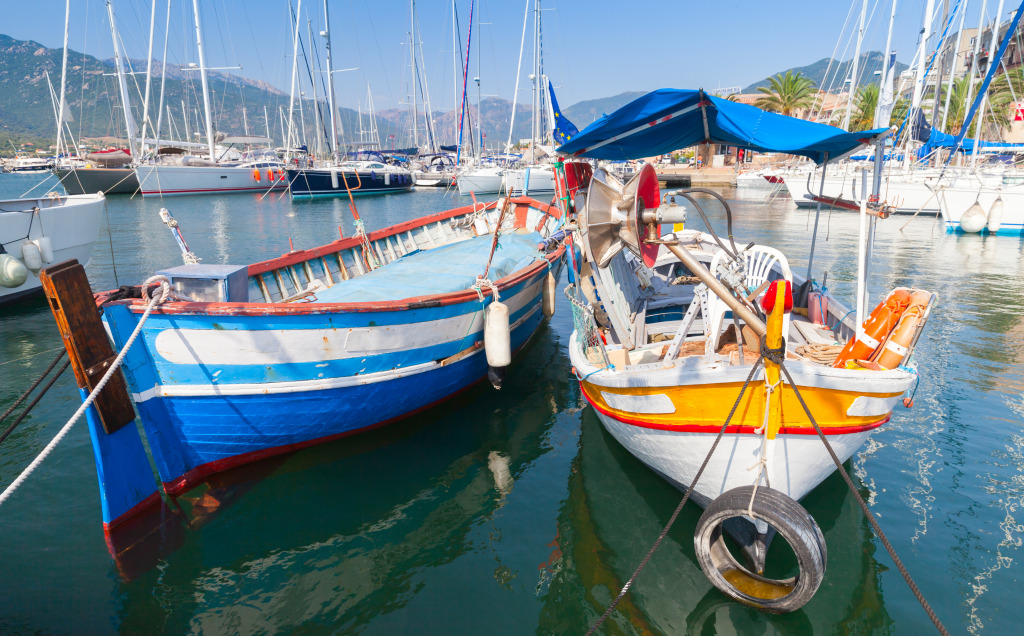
[760,261]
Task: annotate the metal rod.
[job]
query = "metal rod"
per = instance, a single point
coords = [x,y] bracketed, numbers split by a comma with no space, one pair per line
[718,288]
[817,215]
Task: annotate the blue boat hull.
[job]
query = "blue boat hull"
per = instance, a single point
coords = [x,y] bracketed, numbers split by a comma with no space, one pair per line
[315,182]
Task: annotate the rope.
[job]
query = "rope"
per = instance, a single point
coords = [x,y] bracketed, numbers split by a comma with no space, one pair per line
[817,352]
[686,496]
[32,404]
[34,385]
[165,288]
[867,513]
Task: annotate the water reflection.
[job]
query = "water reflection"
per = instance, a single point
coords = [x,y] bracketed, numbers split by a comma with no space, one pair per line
[376,510]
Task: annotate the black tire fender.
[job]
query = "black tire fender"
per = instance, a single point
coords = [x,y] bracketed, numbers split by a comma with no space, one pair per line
[791,521]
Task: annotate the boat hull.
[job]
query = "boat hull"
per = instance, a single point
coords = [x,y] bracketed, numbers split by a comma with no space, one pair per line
[318,182]
[668,418]
[956,201]
[157,181]
[531,180]
[92,180]
[488,182]
[71,227]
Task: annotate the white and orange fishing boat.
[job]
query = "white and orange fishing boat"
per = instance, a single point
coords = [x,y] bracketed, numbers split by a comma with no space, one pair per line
[670,331]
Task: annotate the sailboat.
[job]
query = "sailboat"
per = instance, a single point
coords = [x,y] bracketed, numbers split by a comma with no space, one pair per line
[364,172]
[223,170]
[670,330]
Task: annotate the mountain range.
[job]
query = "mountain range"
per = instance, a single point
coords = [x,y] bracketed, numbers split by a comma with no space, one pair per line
[835,72]
[27,111]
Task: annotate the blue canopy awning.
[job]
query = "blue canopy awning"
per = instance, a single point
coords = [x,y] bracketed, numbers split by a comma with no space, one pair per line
[669,119]
[966,145]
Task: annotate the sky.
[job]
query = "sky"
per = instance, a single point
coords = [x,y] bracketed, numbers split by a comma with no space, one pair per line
[591,48]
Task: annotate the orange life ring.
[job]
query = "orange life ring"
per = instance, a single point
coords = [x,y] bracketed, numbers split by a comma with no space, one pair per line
[875,329]
[896,346]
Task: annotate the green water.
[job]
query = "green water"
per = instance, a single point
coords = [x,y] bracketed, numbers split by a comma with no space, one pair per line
[411,528]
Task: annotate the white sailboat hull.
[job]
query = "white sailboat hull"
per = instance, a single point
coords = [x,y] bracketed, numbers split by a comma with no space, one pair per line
[156,181]
[479,182]
[531,179]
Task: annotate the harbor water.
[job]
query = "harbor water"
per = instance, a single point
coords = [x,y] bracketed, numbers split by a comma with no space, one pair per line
[513,511]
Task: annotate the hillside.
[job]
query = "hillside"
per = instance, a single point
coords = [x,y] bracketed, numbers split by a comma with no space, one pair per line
[869,62]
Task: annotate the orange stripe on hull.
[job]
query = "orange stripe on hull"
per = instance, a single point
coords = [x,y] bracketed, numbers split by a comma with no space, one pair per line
[703,408]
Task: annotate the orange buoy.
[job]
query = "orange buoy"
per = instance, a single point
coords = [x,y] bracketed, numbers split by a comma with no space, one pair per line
[878,325]
[270,174]
[280,174]
[256,174]
[896,347]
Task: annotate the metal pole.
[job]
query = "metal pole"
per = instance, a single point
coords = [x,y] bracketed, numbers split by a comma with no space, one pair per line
[856,63]
[718,288]
[412,59]
[149,80]
[817,215]
[163,83]
[63,79]
[993,41]
[206,86]
[519,69]
[330,84]
[534,128]
[952,71]
[295,69]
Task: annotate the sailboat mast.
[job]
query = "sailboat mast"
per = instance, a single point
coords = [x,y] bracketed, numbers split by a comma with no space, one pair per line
[149,78]
[915,102]
[535,125]
[940,51]
[266,121]
[885,85]
[952,71]
[856,63]
[289,144]
[479,94]
[122,84]
[163,83]
[412,59]
[316,96]
[330,84]
[993,41]
[206,86]
[63,77]
[519,70]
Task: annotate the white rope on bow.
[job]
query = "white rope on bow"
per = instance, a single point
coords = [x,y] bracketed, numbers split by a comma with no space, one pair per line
[762,462]
[165,291]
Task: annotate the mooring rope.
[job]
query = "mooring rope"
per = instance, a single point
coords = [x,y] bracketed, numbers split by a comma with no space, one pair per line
[867,512]
[35,400]
[34,385]
[686,497]
[165,290]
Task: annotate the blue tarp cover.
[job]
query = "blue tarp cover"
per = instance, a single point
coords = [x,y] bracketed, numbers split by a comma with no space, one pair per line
[939,139]
[669,119]
[448,268]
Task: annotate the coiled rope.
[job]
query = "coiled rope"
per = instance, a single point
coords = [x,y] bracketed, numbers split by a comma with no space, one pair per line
[165,290]
[817,352]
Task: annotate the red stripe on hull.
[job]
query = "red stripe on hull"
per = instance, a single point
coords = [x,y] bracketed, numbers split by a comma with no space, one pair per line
[147,193]
[131,512]
[701,428]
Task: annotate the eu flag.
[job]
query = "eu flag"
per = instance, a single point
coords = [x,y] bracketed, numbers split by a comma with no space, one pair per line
[562,129]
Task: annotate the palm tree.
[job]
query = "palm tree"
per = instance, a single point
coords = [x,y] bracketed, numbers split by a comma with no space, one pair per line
[957,105]
[1000,96]
[786,94]
[863,115]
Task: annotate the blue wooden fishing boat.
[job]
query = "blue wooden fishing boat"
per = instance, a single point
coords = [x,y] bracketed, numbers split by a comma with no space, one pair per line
[312,346]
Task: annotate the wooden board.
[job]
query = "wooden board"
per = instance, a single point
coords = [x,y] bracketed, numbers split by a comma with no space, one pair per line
[78,319]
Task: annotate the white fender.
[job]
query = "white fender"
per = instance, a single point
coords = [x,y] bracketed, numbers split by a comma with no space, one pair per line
[334,178]
[31,257]
[973,219]
[45,246]
[995,215]
[549,295]
[387,178]
[497,336]
[13,272]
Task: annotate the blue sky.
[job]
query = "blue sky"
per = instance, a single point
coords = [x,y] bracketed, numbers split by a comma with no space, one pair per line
[592,48]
